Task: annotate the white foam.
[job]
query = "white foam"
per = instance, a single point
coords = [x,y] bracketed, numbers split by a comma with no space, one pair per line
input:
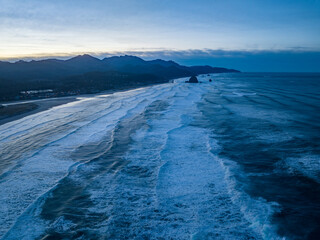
[34,175]
[257,211]
[186,184]
[173,185]
[241,94]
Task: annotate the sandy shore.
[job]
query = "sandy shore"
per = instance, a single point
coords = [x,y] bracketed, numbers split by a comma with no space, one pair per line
[16,110]
[11,111]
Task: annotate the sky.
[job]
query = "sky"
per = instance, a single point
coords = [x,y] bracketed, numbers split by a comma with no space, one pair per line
[250,35]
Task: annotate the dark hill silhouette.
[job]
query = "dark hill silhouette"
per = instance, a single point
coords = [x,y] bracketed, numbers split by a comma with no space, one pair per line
[84,69]
[122,61]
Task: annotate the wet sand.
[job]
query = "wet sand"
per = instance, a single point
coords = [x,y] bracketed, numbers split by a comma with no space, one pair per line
[17,110]
[11,111]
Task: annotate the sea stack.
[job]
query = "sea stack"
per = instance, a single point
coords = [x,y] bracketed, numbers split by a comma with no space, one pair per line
[193,79]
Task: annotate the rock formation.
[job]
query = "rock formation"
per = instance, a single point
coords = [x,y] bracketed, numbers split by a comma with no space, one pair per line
[193,79]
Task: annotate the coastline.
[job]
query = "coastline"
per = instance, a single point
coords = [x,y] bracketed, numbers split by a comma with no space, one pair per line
[15,110]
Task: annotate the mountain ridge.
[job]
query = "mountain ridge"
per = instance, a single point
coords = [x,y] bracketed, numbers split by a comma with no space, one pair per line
[86,74]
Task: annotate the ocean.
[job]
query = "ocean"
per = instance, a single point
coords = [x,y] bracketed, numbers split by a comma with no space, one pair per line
[235,158]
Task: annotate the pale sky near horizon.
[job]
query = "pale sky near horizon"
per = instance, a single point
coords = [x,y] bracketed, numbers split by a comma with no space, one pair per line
[38,28]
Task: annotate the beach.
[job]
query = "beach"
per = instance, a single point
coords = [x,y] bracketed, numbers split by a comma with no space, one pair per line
[225,159]
[14,110]
[17,110]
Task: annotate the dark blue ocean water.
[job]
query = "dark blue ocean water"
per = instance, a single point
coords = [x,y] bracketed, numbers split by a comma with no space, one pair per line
[235,158]
[269,125]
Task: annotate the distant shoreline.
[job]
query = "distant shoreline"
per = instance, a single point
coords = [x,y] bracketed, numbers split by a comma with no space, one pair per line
[15,110]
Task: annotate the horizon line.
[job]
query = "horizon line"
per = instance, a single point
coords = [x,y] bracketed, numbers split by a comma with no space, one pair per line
[152,52]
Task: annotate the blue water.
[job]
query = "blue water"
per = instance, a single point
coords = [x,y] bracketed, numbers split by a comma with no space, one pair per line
[268,124]
[236,158]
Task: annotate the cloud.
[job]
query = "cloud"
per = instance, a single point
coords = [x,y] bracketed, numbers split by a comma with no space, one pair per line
[205,53]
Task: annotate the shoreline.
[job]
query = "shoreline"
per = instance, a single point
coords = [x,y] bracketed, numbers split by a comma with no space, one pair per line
[15,110]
